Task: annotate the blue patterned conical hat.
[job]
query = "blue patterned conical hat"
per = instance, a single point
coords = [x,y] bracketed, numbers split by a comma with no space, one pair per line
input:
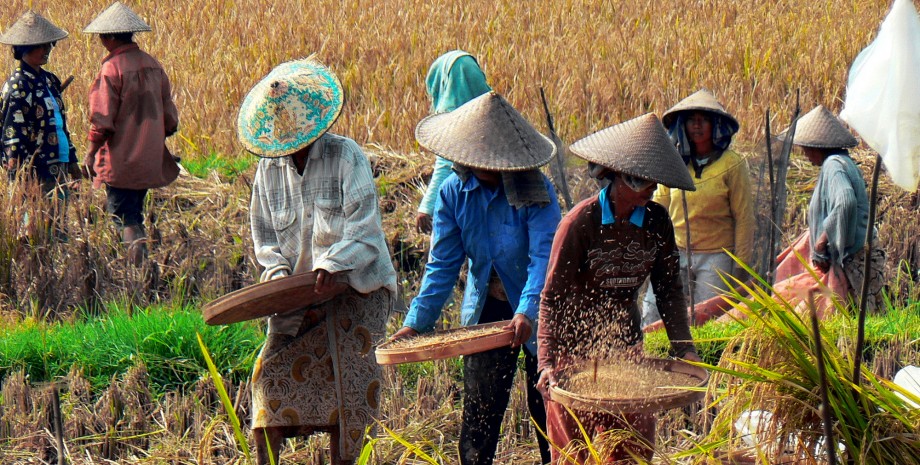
[291,107]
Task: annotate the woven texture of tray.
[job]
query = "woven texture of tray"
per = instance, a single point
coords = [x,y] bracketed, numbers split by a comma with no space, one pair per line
[267,298]
[438,349]
[649,404]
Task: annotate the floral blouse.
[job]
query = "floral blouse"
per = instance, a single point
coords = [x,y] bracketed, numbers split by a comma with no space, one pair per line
[33,128]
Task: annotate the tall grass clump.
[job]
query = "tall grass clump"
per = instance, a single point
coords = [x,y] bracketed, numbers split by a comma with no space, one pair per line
[771,365]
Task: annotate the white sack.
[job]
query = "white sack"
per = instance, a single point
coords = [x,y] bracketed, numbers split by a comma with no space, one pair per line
[883,96]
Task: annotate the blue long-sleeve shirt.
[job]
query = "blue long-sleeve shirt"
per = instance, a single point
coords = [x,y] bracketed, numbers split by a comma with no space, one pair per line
[476,223]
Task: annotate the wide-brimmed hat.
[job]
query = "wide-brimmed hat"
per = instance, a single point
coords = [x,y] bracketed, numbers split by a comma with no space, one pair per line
[32,29]
[819,128]
[291,107]
[486,133]
[117,19]
[701,100]
[639,147]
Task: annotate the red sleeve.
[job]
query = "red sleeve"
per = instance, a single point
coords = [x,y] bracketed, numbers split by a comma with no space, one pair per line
[104,101]
[565,259]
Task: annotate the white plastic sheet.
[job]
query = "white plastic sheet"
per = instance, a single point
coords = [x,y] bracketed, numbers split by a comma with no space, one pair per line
[883,96]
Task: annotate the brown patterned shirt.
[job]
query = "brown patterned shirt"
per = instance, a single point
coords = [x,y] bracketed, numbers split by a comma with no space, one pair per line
[589,303]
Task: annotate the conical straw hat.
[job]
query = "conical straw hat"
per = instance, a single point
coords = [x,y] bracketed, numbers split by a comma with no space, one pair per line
[291,107]
[819,128]
[701,100]
[486,133]
[117,19]
[32,29]
[639,147]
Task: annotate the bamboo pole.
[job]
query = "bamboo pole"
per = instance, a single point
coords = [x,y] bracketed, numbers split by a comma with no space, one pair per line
[867,269]
[779,213]
[690,286]
[830,443]
[768,263]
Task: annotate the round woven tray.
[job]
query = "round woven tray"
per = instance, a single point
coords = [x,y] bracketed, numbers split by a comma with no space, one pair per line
[439,348]
[267,298]
[650,404]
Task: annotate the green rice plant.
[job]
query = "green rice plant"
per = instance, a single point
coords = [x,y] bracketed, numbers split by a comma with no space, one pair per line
[162,338]
[225,399]
[771,365]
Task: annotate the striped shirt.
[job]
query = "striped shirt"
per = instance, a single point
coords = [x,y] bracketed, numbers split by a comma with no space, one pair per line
[327,218]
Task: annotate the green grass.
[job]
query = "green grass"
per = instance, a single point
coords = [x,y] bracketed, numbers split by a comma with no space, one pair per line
[882,331]
[164,339]
[227,167]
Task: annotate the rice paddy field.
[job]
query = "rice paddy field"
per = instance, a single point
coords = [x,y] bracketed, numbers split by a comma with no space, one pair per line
[120,343]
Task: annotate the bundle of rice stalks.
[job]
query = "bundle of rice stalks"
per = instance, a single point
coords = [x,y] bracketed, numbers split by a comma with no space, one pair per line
[771,366]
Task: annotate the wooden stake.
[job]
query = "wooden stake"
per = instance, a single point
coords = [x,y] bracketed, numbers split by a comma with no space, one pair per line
[829,442]
[867,269]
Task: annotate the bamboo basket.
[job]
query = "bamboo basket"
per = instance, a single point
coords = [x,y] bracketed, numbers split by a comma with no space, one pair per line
[641,403]
[268,298]
[446,344]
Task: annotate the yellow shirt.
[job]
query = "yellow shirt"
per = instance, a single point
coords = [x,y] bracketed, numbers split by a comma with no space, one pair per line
[721,209]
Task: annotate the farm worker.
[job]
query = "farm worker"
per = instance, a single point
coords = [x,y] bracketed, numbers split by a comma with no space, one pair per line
[33,129]
[131,113]
[500,212]
[721,209]
[453,79]
[838,214]
[314,208]
[605,249]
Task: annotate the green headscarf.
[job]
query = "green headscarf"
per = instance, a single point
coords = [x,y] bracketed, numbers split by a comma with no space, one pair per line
[454,79]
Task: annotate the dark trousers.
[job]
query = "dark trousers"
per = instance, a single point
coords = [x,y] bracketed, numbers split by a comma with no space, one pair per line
[487,381]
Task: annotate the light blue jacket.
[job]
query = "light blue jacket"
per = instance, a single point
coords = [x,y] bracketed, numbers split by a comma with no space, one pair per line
[840,207]
[453,79]
[474,222]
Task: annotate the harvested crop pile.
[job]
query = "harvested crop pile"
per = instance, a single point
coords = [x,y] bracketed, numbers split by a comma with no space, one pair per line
[444,338]
[625,380]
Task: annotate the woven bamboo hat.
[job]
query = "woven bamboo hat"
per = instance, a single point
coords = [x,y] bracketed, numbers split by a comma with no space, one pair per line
[701,100]
[819,128]
[639,147]
[291,107]
[32,29]
[486,133]
[117,19]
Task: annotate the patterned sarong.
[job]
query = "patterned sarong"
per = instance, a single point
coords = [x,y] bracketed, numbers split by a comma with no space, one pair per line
[327,376]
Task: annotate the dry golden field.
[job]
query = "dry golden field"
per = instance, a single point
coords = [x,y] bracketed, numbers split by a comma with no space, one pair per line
[600,61]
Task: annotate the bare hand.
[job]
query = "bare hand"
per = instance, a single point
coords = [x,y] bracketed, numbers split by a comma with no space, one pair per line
[75,171]
[325,281]
[821,264]
[547,380]
[12,164]
[88,171]
[692,357]
[403,333]
[821,244]
[522,329]
[423,223]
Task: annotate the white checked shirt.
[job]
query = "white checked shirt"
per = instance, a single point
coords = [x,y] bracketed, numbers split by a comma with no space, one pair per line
[326,219]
